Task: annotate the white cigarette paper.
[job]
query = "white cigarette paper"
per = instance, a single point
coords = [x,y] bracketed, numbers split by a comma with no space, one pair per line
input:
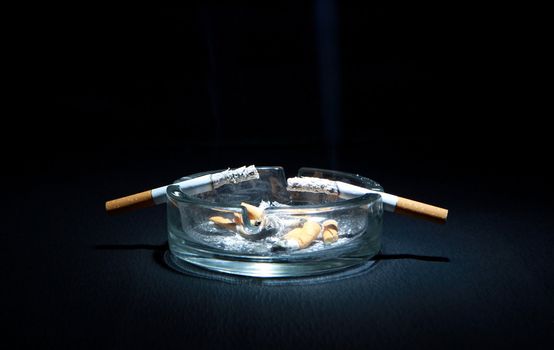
[209,182]
[338,188]
[192,186]
[390,202]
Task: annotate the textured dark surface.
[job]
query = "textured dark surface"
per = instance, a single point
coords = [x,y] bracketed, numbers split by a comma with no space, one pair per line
[78,277]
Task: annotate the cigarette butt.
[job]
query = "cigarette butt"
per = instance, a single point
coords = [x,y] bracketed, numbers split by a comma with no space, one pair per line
[254,212]
[291,240]
[330,231]
[238,220]
[300,238]
[223,221]
[330,223]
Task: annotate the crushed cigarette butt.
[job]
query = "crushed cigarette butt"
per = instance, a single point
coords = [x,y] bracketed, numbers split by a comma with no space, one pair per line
[223,222]
[300,238]
[254,212]
[330,231]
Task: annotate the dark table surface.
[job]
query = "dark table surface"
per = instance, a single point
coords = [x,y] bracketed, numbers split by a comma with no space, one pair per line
[75,276]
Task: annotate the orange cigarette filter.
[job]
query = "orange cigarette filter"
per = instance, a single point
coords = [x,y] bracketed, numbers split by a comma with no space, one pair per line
[330,231]
[300,238]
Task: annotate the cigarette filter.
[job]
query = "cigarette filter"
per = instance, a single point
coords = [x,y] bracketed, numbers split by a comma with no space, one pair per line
[193,186]
[391,202]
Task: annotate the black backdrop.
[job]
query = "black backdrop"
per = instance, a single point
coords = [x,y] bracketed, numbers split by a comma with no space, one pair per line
[438,104]
[408,85]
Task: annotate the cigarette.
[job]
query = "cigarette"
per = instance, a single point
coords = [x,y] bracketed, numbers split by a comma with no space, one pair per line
[255,215]
[330,231]
[345,190]
[197,185]
[254,212]
[300,238]
[223,222]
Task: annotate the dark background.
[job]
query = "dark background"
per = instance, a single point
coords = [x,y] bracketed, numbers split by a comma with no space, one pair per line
[436,104]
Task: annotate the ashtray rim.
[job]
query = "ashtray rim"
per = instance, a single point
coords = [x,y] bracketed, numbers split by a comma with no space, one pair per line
[265,264]
[176,193]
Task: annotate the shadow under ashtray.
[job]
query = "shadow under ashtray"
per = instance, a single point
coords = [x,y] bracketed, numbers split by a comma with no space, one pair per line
[186,268]
[164,258]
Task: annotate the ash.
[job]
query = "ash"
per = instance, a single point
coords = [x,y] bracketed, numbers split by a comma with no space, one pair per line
[230,241]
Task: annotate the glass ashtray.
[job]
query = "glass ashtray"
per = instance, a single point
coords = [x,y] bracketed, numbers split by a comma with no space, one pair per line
[215,230]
